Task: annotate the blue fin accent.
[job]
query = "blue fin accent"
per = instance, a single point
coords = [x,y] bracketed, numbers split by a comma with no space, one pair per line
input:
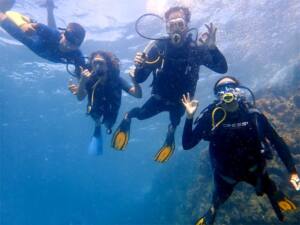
[96,144]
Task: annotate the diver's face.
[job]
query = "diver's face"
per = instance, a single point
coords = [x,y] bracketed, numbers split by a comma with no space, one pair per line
[176,23]
[227,93]
[99,65]
[177,28]
[65,45]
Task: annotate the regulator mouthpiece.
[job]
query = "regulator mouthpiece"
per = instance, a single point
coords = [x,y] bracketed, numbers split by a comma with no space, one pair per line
[228,98]
[176,39]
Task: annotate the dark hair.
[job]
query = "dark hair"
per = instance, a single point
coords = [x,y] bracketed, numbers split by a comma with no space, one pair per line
[236,81]
[185,10]
[112,62]
[75,33]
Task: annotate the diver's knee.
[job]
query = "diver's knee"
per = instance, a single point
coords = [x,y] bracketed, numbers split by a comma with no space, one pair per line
[2,17]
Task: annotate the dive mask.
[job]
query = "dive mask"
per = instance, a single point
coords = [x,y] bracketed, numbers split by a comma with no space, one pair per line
[227,92]
[99,66]
[176,29]
[176,25]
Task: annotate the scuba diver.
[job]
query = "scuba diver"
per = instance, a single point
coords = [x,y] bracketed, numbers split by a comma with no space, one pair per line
[102,83]
[45,41]
[240,141]
[174,62]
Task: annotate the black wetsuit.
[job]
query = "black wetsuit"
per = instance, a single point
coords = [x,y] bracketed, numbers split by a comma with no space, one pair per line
[45,43]
[235,150]
[175,73]
[104,99]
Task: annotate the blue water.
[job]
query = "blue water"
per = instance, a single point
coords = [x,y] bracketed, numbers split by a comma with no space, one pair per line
[46,174]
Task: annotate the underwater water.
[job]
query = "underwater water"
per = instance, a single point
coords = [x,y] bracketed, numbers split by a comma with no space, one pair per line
[46,174]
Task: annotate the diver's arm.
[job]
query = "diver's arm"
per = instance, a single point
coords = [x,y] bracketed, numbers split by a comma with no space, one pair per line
[142,69]
[81,92]
[133,89]
[213,59]
[80,64]
[141,74]
[146,61]
[279,144]
[191,137]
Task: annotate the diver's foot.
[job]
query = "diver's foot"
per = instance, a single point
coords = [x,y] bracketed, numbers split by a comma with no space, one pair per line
[6,5]
[208,218]
[121,136]
[166,151]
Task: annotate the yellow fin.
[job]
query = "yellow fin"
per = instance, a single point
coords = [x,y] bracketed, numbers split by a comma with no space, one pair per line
[164,153]
[201,221]
[18,18]
[120,140]
[286,205]
[121,136]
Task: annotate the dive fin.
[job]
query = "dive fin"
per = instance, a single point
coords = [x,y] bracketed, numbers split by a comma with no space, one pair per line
[208,218]
[166,150]
[286,205]
[280,204]
[96,144]
[121,135]
[201,221]
[18,18]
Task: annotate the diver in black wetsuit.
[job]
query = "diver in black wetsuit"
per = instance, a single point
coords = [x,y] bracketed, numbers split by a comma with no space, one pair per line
[239,138]
[174,63]
[46,41]
[103,86]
